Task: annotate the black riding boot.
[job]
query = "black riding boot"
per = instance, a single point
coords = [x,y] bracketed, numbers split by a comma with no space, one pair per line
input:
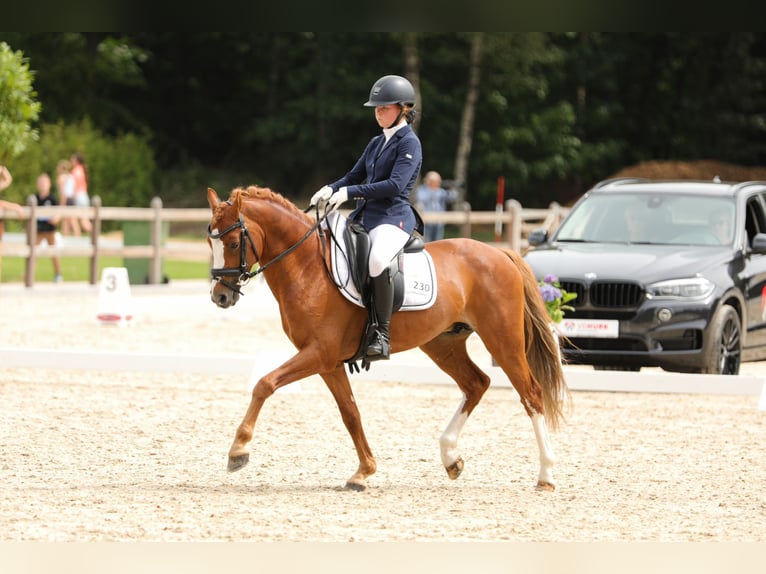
[383,301]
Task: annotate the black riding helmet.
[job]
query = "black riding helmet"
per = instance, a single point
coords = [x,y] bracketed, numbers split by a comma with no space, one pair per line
[391,90]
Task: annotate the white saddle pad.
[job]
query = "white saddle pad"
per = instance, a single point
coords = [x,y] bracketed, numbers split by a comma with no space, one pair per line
[418,270]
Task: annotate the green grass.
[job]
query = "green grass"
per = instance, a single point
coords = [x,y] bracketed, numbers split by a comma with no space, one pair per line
[78,268]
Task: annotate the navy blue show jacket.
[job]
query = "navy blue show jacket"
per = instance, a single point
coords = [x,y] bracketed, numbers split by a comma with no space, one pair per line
[382,179]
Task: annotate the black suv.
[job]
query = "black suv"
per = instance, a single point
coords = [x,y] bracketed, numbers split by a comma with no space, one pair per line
[667,274]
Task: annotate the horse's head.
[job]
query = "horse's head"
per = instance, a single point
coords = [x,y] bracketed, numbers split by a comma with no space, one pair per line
[234,251]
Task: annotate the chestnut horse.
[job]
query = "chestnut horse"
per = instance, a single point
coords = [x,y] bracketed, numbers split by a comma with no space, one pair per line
[481,289]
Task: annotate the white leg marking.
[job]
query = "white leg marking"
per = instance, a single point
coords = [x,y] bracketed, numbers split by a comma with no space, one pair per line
[448,440]
[547,458]
[217,245]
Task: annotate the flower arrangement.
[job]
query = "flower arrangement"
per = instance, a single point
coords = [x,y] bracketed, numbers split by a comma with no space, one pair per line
[556,299]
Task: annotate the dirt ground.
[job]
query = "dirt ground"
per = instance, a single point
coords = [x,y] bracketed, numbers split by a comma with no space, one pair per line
[700,169]
[97,455]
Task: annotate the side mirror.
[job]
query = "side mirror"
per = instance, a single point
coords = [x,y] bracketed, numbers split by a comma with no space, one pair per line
[540,236]
[759,244]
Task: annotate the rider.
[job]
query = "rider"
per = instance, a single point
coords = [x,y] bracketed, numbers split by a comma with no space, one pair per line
[381,181]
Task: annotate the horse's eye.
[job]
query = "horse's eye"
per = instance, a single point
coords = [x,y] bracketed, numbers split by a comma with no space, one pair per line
[234,245]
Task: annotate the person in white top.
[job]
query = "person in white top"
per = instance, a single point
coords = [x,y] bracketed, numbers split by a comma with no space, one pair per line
[65,187]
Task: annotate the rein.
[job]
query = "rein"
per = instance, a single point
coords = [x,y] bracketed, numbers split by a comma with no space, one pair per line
[242,273]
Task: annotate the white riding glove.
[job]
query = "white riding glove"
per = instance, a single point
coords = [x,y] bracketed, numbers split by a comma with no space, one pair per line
[321,195]
[337,198]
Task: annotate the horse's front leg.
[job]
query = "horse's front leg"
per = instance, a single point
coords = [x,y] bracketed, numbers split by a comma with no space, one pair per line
[298,367]
[338,383]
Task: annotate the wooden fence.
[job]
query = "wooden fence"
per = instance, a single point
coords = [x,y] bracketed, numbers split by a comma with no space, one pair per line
[512,226]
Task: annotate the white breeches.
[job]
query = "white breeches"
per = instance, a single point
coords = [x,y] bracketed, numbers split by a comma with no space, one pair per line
[387,240]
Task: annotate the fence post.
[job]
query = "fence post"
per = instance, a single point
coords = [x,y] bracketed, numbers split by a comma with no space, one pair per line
[553,218]
[94,238]
[465,231]
[515,224]
[155,270]
[31,263]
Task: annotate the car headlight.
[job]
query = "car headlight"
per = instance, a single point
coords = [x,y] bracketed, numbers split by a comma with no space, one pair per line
[692,288]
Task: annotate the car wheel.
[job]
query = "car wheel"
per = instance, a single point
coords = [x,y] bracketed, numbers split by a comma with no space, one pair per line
[631,368]
[723,351]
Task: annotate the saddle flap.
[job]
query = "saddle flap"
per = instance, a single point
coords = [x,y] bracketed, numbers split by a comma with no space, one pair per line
[358,246]
[417,276]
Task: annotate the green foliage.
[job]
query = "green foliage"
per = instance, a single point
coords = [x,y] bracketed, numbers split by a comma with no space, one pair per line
[556,298]
[121,169]
[555,111]
[186,185]
[19,108]
[525,131]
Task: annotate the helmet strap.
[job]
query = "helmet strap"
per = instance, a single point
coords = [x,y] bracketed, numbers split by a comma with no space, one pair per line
[398,118]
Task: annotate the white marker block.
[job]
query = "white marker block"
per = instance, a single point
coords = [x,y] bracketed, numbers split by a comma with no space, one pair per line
[115,306]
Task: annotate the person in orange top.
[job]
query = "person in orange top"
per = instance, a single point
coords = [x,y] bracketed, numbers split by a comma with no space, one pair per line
[65,186]
[81,197]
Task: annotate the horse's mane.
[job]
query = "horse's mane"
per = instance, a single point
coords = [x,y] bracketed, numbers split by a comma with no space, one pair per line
[240,194]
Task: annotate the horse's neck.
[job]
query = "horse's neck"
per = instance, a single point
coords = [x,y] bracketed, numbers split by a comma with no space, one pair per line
[281,229]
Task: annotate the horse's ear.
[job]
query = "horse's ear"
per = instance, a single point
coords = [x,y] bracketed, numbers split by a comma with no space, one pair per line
[212,198]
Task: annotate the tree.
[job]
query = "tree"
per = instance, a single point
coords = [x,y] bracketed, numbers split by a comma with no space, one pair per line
[523,128]
[412,70]
[465,138]
[551,112]
[18,105]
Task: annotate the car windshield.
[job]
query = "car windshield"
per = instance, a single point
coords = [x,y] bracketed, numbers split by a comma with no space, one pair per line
[651,218]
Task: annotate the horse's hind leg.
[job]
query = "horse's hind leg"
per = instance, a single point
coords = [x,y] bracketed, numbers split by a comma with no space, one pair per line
[547,458]
[337,382]
[511,358]
[449,352]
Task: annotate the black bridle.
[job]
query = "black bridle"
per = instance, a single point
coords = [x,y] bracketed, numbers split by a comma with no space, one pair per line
[242,273]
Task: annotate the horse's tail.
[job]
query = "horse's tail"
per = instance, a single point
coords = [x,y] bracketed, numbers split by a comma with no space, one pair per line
[543,354]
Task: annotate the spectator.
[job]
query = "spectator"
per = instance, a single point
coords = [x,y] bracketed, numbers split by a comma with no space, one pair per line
[65,187]
[5,180]
[81,197]
[636,225]
[431,197]
[722,228]
[46,227]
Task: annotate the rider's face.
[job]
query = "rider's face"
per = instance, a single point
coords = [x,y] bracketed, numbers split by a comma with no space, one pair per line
[386,115]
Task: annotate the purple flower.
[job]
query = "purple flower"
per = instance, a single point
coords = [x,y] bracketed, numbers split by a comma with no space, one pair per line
[550,279]
[550,293]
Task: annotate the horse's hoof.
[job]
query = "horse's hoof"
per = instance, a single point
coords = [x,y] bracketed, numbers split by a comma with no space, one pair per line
[454,470]
[545,486]
[238,462]
[356,486]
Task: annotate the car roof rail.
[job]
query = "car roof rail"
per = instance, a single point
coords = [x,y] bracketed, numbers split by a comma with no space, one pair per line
[745,184]
[619,180]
